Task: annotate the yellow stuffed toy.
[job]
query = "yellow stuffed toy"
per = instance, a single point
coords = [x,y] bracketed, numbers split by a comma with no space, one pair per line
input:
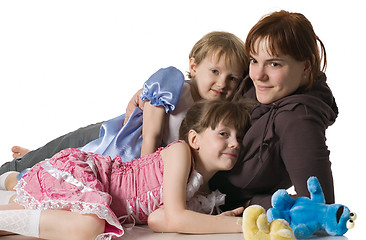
[256,226]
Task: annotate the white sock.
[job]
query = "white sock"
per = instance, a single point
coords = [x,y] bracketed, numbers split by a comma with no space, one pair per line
[20,221]
[5,196]
[3,178]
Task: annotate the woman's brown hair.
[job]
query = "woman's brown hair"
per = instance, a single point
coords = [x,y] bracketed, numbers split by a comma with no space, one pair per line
[289,34]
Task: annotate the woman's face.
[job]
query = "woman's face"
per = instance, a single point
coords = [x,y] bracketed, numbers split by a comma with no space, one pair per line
[275,77]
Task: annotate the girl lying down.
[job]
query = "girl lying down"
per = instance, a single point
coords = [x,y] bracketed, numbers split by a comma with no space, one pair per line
[80,195]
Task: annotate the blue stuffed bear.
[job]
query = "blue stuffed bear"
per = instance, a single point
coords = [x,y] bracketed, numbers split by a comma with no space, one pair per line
[309,215]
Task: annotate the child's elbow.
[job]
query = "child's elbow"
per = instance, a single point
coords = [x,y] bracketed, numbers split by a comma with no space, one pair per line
[158,222]
[154,224]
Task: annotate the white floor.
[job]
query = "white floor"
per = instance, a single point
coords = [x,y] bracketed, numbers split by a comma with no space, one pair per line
[144,233]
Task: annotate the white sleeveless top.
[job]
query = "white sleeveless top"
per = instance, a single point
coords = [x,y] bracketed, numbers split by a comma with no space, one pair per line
[175,118]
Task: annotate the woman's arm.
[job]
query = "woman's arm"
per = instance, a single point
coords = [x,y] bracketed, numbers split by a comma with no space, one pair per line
[304,151]
[174,216]
[152,128]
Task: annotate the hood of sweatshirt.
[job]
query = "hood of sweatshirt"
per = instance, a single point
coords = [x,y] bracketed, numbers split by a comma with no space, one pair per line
[320,98]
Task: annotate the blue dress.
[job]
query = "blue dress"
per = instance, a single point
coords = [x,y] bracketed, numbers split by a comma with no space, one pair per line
[163,88]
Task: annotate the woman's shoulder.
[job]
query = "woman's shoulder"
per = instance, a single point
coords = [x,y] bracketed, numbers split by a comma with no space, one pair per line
[302,106]
[299,119]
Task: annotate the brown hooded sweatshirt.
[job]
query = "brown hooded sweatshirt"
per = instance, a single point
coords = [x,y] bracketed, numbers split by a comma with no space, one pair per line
[284,146]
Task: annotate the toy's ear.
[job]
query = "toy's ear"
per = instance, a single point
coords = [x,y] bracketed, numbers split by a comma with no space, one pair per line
[282,200]
[315,190]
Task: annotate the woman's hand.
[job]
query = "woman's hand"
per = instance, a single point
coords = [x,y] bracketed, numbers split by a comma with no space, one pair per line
[133,103]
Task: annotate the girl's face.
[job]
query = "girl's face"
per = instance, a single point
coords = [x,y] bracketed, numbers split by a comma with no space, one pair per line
[275,77]
[217,148]
[214,79]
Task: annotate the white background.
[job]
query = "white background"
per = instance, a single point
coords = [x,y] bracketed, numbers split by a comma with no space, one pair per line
[67,64]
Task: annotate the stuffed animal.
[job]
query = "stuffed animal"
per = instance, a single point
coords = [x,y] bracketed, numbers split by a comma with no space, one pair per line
[309,215]
[256,227]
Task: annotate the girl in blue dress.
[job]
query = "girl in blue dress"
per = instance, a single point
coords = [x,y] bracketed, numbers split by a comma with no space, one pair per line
[217,64]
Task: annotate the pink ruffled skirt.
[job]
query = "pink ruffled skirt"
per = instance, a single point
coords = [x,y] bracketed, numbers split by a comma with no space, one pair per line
[75,181]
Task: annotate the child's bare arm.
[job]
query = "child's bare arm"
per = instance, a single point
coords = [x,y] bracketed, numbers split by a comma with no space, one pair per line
[152,128]
[174,216]
[195,223]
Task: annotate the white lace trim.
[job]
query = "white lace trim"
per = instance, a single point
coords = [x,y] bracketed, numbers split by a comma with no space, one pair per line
[199,202]
[107,236]
[194,183]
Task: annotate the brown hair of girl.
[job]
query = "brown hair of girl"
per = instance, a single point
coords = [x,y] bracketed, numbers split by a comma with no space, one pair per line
[209,113]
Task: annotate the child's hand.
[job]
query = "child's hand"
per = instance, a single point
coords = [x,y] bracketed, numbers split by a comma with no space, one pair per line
[234,212]
[133,103]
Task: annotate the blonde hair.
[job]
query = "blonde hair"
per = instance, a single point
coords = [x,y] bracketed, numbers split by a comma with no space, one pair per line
[221,44]
[209,113]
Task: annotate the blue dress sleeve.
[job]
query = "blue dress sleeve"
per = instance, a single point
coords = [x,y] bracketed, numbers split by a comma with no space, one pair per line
[163,88]
[115,138]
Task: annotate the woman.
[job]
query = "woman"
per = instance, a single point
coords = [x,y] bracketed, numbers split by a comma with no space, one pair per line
[286,142]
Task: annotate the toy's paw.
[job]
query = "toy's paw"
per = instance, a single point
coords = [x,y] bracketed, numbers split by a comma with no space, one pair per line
[256,226]
[281,230]
[315,190]
[252,217]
